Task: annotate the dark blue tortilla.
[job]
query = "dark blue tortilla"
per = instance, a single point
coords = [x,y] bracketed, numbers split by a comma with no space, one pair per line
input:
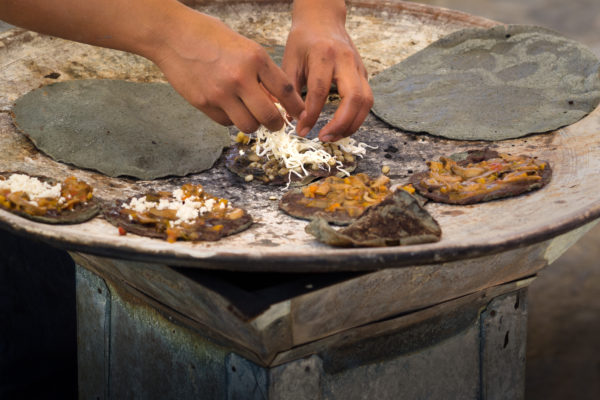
[494,84]
[120,128]
[397,221]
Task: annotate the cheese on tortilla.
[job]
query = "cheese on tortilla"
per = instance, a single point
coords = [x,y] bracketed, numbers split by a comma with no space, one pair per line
[34,188]
[294,151]
[188,209]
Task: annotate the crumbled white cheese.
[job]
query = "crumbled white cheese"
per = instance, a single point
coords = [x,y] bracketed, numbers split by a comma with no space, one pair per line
[34,188]
[186,210]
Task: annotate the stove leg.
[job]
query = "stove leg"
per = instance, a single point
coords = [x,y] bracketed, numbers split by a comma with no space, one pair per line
[127,349]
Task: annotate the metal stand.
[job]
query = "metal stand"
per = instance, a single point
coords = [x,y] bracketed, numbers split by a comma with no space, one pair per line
[473,347]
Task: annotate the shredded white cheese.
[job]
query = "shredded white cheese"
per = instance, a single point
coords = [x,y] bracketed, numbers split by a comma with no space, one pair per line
[34,188]
[294,151]
[187,209]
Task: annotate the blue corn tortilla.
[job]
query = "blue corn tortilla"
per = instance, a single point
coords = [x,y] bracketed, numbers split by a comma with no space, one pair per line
[490,84]
[80,213]
[120,128]
[398,220]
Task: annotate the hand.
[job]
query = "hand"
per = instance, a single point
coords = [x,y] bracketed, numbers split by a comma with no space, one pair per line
[318,52]
[230,78]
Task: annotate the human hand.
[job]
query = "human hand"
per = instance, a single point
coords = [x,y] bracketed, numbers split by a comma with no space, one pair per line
[318,52]
[227,76]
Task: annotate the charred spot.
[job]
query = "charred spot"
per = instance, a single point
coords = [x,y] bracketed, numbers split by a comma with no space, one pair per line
[52,75]
[391,149]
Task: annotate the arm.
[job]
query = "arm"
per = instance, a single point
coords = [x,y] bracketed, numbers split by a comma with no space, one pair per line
[318,52]
[215,69]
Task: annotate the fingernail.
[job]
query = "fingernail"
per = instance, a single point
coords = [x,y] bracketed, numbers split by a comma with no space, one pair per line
[302,115]
[327,138]
[304,131]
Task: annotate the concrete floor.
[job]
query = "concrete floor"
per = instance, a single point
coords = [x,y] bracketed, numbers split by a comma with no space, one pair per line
[563,341]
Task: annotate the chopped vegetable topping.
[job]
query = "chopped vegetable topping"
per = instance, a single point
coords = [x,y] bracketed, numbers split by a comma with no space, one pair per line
[461,181]
[33,196]
[178,214]
[352,194]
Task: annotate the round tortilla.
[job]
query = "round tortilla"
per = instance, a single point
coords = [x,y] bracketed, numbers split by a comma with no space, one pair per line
[475,156]
[112,214]
[494,84]
[291,204]
[240,165]
[120,128]
[80,213]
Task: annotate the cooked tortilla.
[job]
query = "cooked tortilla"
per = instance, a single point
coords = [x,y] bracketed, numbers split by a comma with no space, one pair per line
[494,84]
[269,171]
[81,211]
[481,175]
[397,220]
[120,128]
[338,201]
[159,221]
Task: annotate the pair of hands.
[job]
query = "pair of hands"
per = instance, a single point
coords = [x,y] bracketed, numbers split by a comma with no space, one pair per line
[234,81]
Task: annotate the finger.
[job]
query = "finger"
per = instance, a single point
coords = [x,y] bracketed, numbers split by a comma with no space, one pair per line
[261,107]
[241,117]
[278,84]
[320,75]
[367,105]
[217,115]
[353,104]
[293,69]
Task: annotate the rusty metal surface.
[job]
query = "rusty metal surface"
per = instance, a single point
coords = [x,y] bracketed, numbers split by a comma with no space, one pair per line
[385,33]
[470,347]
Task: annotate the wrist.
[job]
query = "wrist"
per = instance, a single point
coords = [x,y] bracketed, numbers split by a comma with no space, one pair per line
[319,12]
[167,29]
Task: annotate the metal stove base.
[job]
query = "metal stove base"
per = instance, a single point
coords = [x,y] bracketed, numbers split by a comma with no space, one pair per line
[127,349]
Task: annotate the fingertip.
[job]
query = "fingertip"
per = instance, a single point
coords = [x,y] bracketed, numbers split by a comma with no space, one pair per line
[304,131]
[329,138]
[302,116]
[275,126]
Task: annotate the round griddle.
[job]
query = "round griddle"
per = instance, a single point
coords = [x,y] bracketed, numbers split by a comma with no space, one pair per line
[384,34]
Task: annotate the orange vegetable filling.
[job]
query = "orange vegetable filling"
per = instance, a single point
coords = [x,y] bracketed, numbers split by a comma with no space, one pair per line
[459,182]
[73,192]
[352,194]
[166,219]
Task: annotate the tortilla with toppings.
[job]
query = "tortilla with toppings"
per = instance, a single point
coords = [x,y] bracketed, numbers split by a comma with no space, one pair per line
[336,200]
[397,220]
[188,213]
[481,175]
[300,163]
[45,199]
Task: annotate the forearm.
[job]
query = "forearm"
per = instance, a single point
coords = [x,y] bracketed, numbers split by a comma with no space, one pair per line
[136,26]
